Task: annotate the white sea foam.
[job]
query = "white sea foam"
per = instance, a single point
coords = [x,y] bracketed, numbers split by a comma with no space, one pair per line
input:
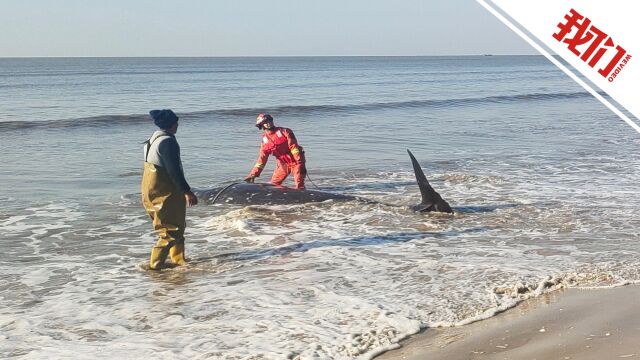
[266,281]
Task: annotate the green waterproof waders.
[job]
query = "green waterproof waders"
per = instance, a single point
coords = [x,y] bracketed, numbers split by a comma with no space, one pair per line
[166,206]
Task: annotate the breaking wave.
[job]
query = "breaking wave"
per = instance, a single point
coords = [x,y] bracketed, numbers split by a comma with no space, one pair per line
[300,110]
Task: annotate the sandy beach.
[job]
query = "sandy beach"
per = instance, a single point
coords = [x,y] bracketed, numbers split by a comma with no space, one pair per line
[567,324]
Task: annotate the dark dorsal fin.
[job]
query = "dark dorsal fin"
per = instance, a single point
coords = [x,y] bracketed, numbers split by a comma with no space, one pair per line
[431,200]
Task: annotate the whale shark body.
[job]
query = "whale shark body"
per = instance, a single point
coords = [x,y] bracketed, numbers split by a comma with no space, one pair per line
[268,194]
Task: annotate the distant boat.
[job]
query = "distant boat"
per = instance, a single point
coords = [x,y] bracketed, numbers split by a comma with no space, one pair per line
[487,55]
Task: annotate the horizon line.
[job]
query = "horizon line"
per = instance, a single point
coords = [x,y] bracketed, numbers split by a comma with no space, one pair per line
[244,56]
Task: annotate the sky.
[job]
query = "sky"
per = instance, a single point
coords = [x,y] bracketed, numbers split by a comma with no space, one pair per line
[252,28]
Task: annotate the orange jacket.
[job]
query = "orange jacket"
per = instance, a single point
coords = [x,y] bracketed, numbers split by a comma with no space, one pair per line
[280,143]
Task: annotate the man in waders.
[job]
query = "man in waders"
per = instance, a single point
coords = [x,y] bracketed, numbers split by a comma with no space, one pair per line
[165,192]
[281,143]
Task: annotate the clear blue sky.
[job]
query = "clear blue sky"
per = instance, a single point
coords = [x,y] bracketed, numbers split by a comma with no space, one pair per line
[251,28]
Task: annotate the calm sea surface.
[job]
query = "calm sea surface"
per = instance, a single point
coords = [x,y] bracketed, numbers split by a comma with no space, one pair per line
[542,176]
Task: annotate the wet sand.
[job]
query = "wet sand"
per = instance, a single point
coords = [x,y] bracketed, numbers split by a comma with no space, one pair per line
[568,324]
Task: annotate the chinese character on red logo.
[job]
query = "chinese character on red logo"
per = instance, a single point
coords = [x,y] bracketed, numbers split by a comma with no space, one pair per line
[596,41]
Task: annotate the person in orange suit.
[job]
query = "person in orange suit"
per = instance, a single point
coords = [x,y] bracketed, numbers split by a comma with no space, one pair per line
[281,143]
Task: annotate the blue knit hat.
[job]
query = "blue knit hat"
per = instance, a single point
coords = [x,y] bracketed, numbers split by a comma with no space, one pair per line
[163,119]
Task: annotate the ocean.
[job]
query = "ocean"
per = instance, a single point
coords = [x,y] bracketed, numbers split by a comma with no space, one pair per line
[542,177]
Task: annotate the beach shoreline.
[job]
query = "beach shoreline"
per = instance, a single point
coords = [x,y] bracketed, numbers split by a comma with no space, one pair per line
[563,324]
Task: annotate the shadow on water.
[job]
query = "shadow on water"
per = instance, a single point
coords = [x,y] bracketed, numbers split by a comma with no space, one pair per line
[360,241]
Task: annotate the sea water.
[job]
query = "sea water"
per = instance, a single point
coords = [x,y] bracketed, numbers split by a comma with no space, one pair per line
[543,179]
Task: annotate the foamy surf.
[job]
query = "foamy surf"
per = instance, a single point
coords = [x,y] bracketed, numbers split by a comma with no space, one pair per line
[313,281]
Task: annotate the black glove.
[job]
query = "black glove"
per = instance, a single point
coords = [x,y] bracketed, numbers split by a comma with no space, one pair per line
[250,179]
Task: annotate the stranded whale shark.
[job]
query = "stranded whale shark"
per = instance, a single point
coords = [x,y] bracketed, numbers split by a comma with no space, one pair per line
[267,194]
[431,200]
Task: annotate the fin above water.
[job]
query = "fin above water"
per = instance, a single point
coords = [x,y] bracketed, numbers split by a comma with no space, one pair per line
[431,200]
